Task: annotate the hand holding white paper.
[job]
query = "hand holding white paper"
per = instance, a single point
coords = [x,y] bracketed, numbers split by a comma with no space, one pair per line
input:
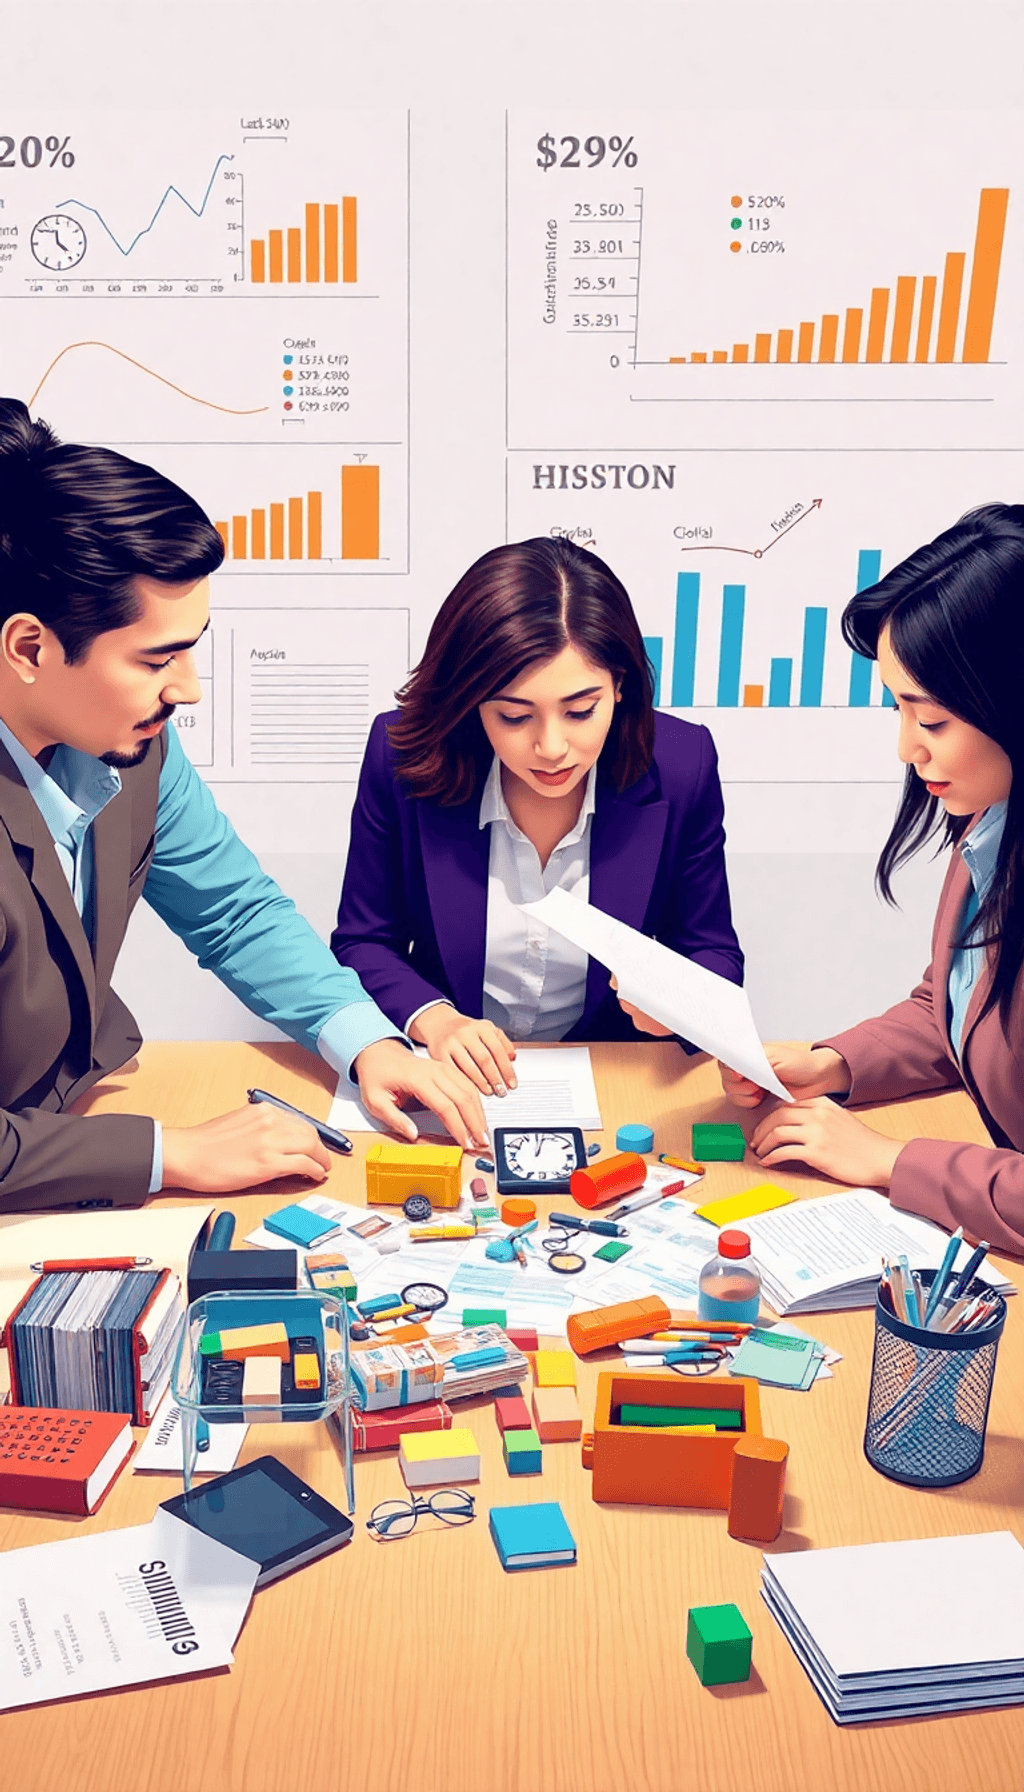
[705,1008]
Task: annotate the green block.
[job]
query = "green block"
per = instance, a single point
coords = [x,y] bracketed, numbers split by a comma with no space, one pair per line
[719,1644]
[718,1144]
[721,1417]
[210,1344]
[522,1452]
[612,1251]
[485,1316]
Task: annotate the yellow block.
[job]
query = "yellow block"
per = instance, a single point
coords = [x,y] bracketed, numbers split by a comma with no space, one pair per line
[306,1370]
[430,1446]
[255,1340]
[554,1369]
[743,1207]
[395,1171]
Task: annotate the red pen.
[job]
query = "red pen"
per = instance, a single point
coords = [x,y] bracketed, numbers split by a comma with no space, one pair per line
[53,1263]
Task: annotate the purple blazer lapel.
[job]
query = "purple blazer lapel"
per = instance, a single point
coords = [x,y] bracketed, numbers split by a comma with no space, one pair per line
[455,852]
[625,848]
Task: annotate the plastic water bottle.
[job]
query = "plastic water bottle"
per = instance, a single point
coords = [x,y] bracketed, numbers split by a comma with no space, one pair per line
[730,1282]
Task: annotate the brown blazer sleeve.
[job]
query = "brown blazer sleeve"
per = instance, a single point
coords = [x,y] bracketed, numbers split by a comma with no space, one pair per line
[978,1187]
[70,1160]
[900,1052]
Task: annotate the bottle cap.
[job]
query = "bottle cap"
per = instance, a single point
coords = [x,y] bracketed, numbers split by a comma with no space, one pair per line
[733,1243]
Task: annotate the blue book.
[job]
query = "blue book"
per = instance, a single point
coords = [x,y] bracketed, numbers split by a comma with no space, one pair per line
[534,1536]
[299,1225]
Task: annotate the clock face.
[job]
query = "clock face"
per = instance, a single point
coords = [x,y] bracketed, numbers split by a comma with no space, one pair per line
[544,1156]
[58,242]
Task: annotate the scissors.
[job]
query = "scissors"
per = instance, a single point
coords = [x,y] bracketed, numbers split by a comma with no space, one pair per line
[695,1359]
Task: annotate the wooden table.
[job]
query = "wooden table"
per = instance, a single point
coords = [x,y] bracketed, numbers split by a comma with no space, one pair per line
[420,1667]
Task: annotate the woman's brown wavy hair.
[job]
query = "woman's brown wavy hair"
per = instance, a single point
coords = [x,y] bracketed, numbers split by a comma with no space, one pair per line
[516,607]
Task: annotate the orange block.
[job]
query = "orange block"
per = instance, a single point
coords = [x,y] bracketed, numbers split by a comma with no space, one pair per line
[255,1340]
[608,1178]
[306,1370]
[758,1488]
[609,1325]
[641,1465]
[557,1415]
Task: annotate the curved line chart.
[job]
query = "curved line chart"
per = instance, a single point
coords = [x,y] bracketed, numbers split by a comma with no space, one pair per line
[172,191]
[228,410]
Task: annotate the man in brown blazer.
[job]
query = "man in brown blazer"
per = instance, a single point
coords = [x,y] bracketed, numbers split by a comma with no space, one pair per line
[104,591]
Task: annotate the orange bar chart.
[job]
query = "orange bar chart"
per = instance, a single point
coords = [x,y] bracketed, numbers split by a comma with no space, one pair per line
[322,250]
[961,331]
[360,513]
[296,524]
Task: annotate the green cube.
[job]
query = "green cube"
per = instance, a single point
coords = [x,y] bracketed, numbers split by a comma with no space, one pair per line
[719,1644]
[485,1316]
[612,1251]
[522,1452]
[210,1344]
[714,1144]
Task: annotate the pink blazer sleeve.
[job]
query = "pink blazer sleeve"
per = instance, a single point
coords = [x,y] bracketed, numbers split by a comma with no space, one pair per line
[900,1052]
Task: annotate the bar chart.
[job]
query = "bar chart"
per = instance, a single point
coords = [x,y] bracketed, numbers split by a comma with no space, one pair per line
[324,248]
[293,528]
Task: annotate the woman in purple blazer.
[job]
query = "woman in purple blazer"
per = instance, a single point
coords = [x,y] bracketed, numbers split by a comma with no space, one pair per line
[947,629]
[525,755]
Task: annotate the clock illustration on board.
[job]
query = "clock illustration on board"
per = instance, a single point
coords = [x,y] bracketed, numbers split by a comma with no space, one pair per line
[58,242]
[541,1157]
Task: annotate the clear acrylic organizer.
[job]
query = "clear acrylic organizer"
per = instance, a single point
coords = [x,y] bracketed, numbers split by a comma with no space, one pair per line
[306,1315]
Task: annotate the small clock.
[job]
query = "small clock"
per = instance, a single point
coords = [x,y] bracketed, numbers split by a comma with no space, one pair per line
[541,1157]
[58,242]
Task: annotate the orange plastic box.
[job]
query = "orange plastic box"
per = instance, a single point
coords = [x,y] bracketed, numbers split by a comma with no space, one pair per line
[639,1465]
[610,1325]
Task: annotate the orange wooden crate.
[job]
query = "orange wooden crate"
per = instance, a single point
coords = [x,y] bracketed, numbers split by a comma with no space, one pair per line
[641,1466]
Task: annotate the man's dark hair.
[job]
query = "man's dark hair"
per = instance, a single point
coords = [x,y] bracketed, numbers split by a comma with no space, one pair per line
[78,525]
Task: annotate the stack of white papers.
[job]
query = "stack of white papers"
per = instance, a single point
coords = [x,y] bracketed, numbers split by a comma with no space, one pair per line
[889,1630]
[555,1088]
[823,1255]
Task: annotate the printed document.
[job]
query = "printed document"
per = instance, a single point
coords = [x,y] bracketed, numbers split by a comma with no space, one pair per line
[704,1008]
[556,1088]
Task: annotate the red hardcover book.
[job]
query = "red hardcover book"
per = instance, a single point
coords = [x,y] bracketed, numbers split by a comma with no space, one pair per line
[61,1461]
[382,1430]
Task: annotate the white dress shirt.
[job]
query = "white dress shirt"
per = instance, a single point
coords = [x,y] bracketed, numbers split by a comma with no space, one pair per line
[535,982]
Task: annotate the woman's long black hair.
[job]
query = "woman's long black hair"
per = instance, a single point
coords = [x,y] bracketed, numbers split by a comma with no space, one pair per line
[955,613]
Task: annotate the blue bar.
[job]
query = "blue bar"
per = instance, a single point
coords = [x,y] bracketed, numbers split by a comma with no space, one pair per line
[812,666]
[684,648]
[869,570]
[653,645]
[734,598]
[779,684]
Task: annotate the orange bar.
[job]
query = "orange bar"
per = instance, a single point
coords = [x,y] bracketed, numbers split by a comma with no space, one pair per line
[331,243]
[805,343]
[258,535]
[851,333]
[360,513]
[740,351]
[349,247]
[876,322]
[899,348]
[294,256]
[949,308]
[257,260]
[701,357]
[762,348]
[312,245]
[239,532]
[677,360]
[222,531]
[719,356]
[277,531]
[829,334]
[784,352]
[924,320]
[753,696]
[295,528]
[275,240]
[988,252]
[314,513]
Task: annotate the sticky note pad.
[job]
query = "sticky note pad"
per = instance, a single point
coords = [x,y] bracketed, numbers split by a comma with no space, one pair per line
[484,1316]
[522,1452]
[306,1370]
[261,1381]
[761,1199]
[426,1457]
[554,1369]
[557,1416]
[718,1144]
[612,1251]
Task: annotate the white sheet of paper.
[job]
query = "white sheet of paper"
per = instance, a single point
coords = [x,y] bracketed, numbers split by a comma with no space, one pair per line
[556,1088]
[80,1615]
[707,1009]
[161,1452]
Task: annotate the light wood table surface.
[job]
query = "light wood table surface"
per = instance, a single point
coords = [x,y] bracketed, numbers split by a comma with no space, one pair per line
[419,1666]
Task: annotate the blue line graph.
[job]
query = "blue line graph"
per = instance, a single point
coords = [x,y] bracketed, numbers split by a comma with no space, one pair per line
[172,191]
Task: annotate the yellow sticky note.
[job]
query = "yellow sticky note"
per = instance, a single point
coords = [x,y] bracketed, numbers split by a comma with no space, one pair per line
[743,1206]
[554,1369]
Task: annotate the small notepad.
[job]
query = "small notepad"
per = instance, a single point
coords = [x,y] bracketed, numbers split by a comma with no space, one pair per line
[777,1359]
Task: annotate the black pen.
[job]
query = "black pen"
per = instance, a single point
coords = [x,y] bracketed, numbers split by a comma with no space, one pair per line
[335,1140]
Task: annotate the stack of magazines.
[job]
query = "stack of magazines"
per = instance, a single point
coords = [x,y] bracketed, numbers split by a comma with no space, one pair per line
[462,1383]
[99,1340]
[889,1630]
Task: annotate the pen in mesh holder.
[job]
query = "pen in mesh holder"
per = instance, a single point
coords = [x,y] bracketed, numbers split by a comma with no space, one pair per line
[929,1398]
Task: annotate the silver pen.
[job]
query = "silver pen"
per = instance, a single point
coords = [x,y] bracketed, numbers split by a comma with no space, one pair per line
[636,1202]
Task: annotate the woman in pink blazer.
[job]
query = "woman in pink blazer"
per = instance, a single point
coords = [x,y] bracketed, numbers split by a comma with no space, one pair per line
[947,629]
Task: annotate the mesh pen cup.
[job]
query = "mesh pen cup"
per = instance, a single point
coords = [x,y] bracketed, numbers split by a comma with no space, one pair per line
[929,1399]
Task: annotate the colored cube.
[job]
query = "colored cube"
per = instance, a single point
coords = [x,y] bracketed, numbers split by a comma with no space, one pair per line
[484,1316]
[393,1172]
[556,1414]
[239,1342]
[554,1369]
[428,1457]
[261,1381]
[719,1644]
[512,1413]
[524,1337]
[718,1144]
[306,1370]
[612,1251]
[522,1452]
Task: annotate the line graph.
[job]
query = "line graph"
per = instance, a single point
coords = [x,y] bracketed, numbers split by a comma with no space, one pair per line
[208,403]
[171,192]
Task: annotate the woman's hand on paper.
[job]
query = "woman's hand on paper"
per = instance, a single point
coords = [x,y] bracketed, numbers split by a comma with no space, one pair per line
[480,1050]
[390,1073]
[804,1072]
[644,1023]
[826,1138]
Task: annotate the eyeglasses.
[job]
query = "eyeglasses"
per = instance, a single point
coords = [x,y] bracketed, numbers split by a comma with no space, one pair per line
[397,1518]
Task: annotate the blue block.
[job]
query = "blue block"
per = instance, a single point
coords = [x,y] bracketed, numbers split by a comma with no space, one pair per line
[634,1138]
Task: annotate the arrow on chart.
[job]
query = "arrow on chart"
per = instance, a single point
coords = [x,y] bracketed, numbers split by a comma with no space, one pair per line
[721,547]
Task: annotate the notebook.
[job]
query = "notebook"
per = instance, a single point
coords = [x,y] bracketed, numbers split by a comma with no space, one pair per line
[778,1359]
[532,1536]
[53,1461]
